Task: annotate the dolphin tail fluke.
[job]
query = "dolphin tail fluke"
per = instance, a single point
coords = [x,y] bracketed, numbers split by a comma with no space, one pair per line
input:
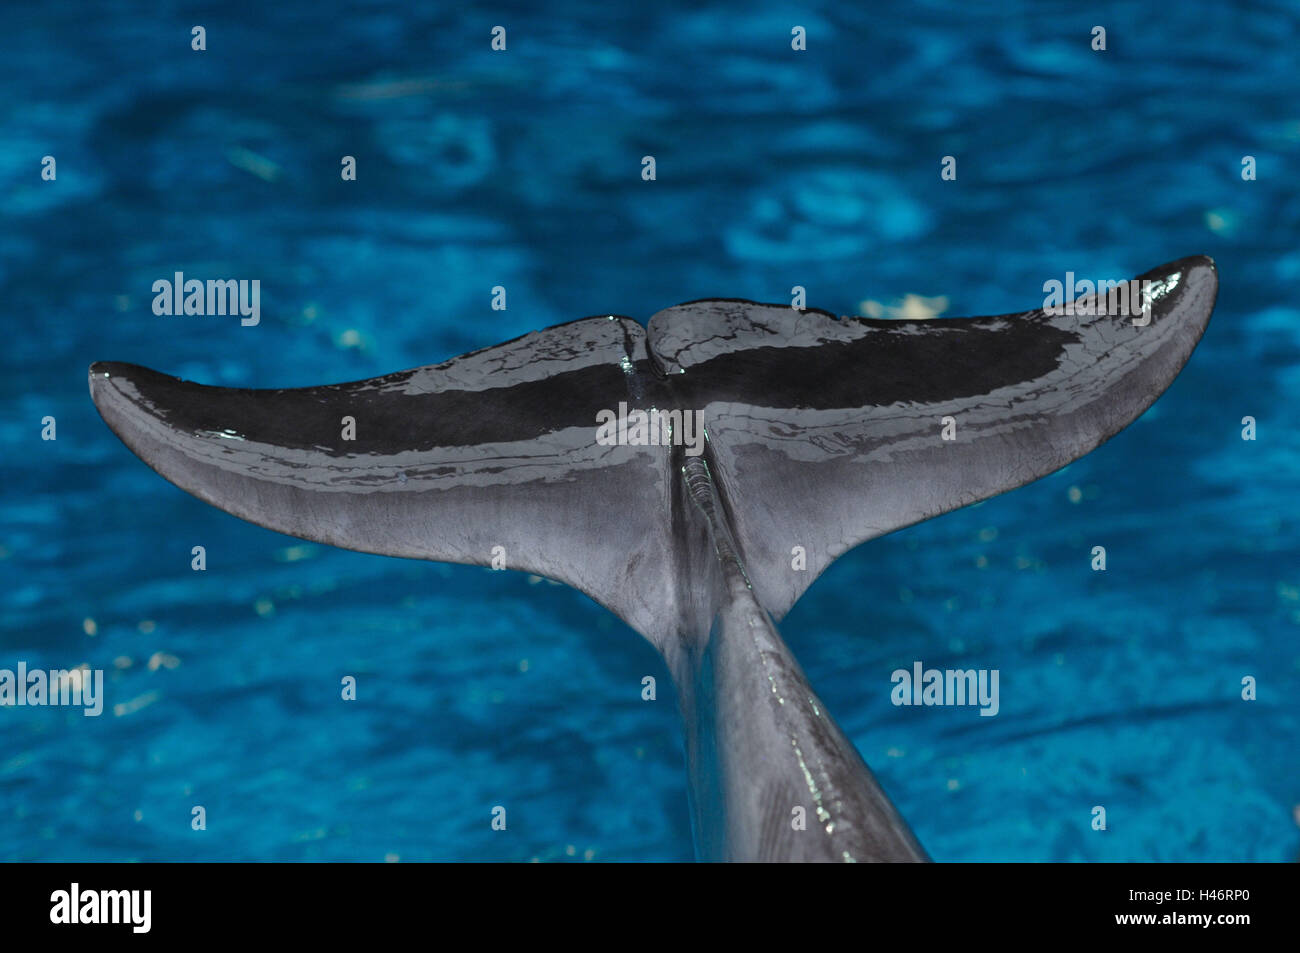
[829,432]
[487,459]
[822,433]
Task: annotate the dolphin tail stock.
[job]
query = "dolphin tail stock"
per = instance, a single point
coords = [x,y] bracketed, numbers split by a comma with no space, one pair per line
[772,775]
[822,433]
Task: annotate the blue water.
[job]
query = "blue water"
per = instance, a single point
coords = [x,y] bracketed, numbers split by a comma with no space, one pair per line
[775,168]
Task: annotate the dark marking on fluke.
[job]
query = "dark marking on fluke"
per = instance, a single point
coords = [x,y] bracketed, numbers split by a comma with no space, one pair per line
[309,417]
[955,359]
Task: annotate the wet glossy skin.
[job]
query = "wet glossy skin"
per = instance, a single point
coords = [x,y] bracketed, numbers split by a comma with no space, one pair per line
[773,778]
[823,433]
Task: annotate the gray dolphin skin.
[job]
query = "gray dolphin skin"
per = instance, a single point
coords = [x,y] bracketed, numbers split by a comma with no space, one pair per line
[822,433]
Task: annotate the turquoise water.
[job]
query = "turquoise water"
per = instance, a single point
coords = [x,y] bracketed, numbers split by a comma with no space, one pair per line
[522,169]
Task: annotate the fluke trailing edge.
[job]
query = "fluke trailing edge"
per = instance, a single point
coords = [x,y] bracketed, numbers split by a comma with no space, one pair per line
[821,433]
